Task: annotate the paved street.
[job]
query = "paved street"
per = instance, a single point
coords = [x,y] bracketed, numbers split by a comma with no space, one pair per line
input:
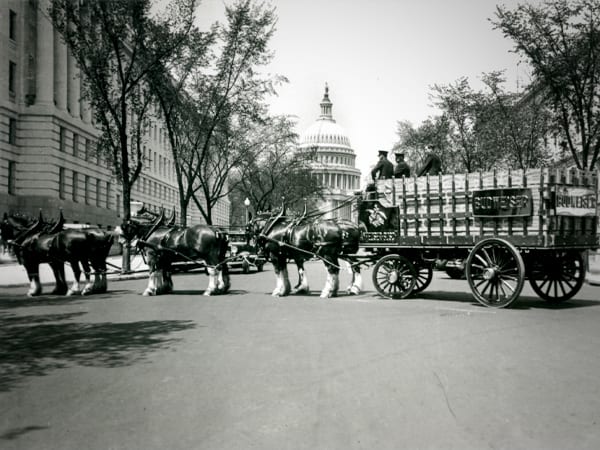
[245,370]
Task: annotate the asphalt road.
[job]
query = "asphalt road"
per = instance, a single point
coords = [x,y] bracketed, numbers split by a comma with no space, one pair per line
[245,370]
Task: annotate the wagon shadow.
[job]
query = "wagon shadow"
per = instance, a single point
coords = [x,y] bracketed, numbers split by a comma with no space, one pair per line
[522,303]
[35,345]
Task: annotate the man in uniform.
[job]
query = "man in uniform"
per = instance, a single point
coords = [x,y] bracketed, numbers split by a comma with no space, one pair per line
[383,169]
[401,169]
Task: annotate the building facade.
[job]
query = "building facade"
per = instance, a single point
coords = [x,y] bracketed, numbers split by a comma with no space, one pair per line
[335,162]
[48,138]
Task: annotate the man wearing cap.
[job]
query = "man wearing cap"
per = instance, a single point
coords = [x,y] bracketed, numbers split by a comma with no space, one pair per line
[401,169]
[383,169]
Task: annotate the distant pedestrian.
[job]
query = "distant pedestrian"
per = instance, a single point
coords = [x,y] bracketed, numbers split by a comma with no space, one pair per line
[384,168]
[402,169]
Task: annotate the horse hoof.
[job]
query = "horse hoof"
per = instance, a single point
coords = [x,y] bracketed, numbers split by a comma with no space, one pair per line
[71,293]
[149,293]
[354,290]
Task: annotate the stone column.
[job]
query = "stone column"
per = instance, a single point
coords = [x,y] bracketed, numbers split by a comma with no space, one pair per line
[44,68]
[73,87]
[60,71]
[86,109]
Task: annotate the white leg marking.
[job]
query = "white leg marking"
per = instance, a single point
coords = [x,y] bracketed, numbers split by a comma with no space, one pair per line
[212,281]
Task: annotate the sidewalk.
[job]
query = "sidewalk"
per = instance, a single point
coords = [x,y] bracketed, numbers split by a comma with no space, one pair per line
[12,274]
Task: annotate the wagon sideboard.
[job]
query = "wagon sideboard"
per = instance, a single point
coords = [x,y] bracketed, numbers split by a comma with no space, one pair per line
[548,208]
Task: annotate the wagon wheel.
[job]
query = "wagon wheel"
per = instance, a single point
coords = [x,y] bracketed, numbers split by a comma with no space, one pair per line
[394,276]
[558,276]
[495,272]
[424,277]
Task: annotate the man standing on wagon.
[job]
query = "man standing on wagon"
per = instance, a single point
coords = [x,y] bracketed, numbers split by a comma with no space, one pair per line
[402,169]
[384,168]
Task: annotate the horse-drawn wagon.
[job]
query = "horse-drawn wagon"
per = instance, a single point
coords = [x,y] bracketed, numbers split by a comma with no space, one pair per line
[507,226]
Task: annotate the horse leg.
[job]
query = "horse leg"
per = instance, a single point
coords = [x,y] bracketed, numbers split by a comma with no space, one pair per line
[35,287]
[61,287]
[283,286]
[74,289]
[212,281]
[89,287]
[99,266]
[223,282]
[333,278]
[167,278]
[153,276]
[355,286]
[302,286]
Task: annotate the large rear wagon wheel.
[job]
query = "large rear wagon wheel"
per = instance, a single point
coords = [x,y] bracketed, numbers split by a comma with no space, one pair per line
[557,275]
[394,276]
[424,277]
[495,272]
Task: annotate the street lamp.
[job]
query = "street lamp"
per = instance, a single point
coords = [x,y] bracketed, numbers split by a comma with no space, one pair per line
[247,204]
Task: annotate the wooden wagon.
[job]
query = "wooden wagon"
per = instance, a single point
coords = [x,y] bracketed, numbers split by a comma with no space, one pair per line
[507,226]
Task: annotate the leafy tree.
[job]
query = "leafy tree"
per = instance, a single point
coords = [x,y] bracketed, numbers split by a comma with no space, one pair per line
[169,83]
[413,142]
[117,43]
[277,171]
[561,41]
[228,102]
[464,110]
[517,125]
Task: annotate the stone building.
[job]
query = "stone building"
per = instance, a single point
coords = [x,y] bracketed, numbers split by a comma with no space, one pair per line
[48,137]
[335,163]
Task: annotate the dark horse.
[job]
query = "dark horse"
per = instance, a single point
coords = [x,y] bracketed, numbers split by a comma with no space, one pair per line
[164,244]
[36,242]
[299,239]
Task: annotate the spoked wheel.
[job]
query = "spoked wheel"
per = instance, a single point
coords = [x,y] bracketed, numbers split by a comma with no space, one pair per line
[424,277]
[495,272]
[558,275]
[394,276]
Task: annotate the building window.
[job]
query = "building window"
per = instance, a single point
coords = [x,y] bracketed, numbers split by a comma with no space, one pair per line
[75,182]
[118,205]
[88,149]
[87,189]
[12,131]
[61,183]
[12,177]
[75,144]
[12,77]
[107,195]
[12,25]
[98,188]
[61,139]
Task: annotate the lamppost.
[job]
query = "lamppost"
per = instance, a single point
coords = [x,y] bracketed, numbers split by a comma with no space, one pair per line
[247,204]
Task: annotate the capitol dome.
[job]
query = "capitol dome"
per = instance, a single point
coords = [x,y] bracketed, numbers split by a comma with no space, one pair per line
[334,163]
[325,131]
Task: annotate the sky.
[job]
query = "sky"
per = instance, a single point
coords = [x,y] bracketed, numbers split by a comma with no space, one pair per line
[379,59]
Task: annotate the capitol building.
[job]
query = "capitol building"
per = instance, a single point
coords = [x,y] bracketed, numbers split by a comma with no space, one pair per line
[335,162]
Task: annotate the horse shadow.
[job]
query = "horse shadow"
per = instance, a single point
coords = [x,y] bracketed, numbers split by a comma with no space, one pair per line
[8,301]
[35,345]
